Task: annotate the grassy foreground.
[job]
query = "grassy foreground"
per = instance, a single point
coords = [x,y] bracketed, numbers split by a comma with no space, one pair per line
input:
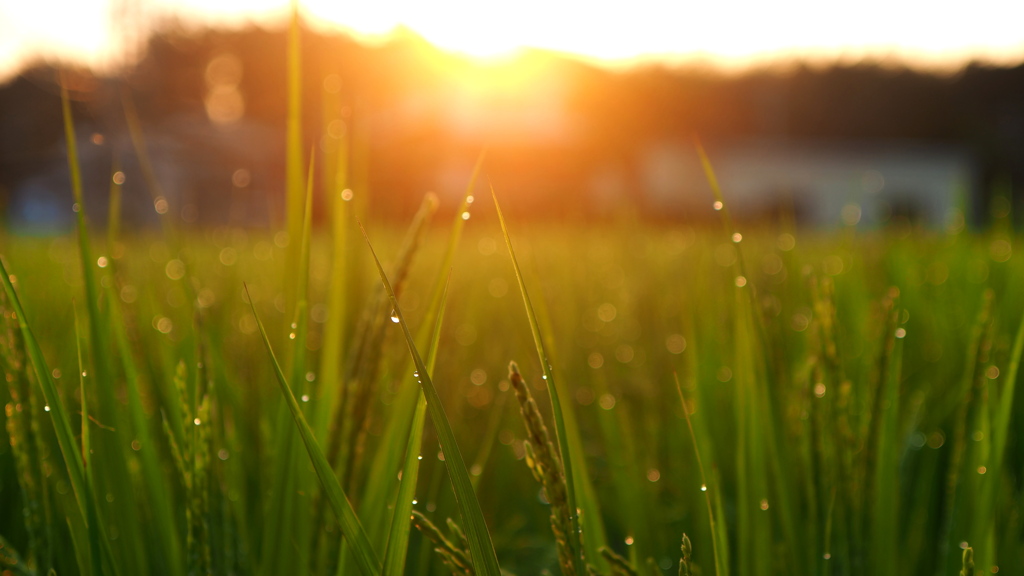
[627,399]
[850,396]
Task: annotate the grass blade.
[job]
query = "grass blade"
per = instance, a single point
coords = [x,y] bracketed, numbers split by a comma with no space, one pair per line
[398,539]
[556,406]
[705,487]
[485,561]
[65,438]
[365,555]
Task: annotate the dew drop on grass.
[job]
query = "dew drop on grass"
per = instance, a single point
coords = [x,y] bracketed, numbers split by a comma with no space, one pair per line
[827,556]
[703,487]
[629,540]
[197,421]
[291,336]
[394,317]
[469,199]
[46,408]
[346,195]
[900,332]
[305,397]
[414,502]
[717,205]
[420,457]
[764,504]
[465,215]
[737,237]
[222,454]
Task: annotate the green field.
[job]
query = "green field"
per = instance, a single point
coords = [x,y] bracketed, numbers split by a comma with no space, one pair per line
[227,401]
[853,403]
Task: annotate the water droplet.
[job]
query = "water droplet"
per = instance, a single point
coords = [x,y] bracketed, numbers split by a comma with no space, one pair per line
[414,501]
[197,421]
[415,374]
[469,199]
[84,373]
[737,237]
[827,556]
[900,332]
[544,377]
[46,408]
[294,326]
[703,487]
[394,317]
[102,262]
[629,540]
[223,454]
[764,504]
[310,376]
[420,457]
[465,215]
[291,336]
[346,195]
[717,205]
[741,281]
[76,207]
[136,445]
[305,397]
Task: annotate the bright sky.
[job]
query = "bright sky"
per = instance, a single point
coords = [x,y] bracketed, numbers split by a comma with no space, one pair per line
[730,33]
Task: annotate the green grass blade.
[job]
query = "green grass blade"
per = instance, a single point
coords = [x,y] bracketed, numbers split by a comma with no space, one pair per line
[884,514]
[485,561]
[365,555]
[398,539]
[556,406]
[705,487]
[62,426]
[95,554]
[110,458]
[156,487]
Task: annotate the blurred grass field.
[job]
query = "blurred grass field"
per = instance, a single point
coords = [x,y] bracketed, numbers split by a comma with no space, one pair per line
[192,401]
[804,425]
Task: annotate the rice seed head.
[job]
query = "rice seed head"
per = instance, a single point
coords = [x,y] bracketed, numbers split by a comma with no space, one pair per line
[543,461]
[968,562]
[685,569]
[457,559]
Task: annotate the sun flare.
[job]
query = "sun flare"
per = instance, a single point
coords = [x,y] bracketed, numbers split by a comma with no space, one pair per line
[733,34]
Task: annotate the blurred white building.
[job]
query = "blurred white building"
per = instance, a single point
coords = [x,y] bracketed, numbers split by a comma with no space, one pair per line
[874,182]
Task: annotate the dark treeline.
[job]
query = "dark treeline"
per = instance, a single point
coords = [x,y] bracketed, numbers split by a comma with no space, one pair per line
[550,123]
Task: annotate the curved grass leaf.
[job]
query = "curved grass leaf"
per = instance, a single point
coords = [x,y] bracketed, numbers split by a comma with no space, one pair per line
[705,488]
[65,438]
[365,555]
[485,561]
[556,405]
[398,538]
